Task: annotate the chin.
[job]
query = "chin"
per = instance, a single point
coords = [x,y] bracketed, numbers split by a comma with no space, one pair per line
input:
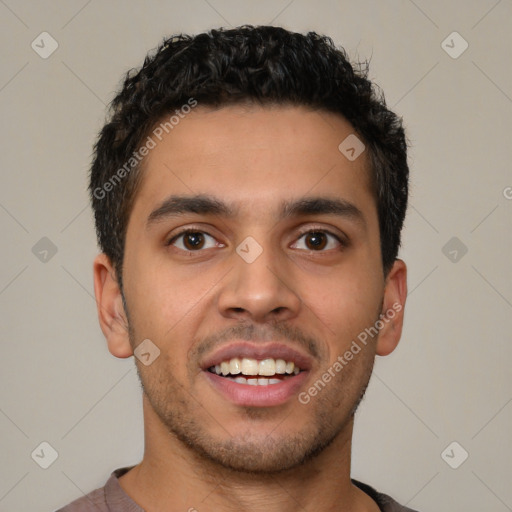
[259,453]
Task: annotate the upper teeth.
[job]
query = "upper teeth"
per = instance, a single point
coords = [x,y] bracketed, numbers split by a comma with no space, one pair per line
[247,366]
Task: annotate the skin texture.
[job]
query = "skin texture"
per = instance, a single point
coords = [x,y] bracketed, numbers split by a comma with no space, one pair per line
[201,449]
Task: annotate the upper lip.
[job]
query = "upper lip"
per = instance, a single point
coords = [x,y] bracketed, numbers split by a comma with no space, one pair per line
[259,351]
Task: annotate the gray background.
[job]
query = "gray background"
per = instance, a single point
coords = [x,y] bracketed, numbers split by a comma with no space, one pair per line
[449,379]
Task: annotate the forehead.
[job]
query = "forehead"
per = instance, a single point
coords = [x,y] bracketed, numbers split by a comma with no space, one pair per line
[253,155]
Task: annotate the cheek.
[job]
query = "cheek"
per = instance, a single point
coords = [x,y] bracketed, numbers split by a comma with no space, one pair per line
[342,311]
[167,306]
[160,297]
[345,302]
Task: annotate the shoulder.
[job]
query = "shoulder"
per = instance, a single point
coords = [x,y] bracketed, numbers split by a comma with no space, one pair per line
[94,501]
[109,498]
[386,503]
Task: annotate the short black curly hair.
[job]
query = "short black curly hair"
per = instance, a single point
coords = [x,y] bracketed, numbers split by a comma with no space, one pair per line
[264,65]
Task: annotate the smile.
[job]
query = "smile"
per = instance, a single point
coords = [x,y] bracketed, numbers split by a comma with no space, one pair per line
[255,373]
[264,374]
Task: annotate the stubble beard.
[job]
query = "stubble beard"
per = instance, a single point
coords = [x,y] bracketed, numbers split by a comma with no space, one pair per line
[251,453]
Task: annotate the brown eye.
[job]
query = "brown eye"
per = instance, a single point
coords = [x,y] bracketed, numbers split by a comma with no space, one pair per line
[318,240]
[191,240]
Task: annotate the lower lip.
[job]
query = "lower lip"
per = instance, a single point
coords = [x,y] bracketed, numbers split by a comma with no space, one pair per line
[257,396]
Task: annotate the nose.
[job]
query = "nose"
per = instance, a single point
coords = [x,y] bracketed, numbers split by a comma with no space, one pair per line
[261,290]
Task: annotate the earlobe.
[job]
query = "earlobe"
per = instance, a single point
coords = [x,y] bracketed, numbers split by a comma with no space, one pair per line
[392,315]
[111,313]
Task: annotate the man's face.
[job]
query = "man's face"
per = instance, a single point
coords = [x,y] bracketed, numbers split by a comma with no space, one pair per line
[251,284]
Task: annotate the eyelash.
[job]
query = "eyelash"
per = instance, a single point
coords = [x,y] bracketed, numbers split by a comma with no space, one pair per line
[187,231]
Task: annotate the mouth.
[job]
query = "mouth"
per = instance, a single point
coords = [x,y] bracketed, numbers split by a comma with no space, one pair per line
[260,375]
[255,373]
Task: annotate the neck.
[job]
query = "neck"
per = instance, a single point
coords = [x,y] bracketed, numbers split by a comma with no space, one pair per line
[173,477]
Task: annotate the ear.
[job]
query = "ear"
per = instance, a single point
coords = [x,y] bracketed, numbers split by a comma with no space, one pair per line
[392,314]
[111,313]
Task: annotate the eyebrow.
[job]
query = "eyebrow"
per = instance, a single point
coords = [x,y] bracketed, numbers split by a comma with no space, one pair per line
[201,204]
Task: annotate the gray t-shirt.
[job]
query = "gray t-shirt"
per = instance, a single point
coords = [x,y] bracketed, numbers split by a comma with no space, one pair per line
[112,498]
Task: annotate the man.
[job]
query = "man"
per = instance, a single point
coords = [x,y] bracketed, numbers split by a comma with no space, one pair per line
[249,191]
